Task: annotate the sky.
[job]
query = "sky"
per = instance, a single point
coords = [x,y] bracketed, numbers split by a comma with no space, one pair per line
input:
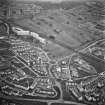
[54,1]
[60,0]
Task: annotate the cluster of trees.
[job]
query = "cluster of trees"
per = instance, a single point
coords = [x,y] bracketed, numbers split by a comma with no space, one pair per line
[97,10]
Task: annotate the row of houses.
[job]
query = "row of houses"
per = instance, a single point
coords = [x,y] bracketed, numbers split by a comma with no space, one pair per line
[17,10]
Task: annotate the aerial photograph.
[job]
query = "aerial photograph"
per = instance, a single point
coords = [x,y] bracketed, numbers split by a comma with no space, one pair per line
[52,52]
